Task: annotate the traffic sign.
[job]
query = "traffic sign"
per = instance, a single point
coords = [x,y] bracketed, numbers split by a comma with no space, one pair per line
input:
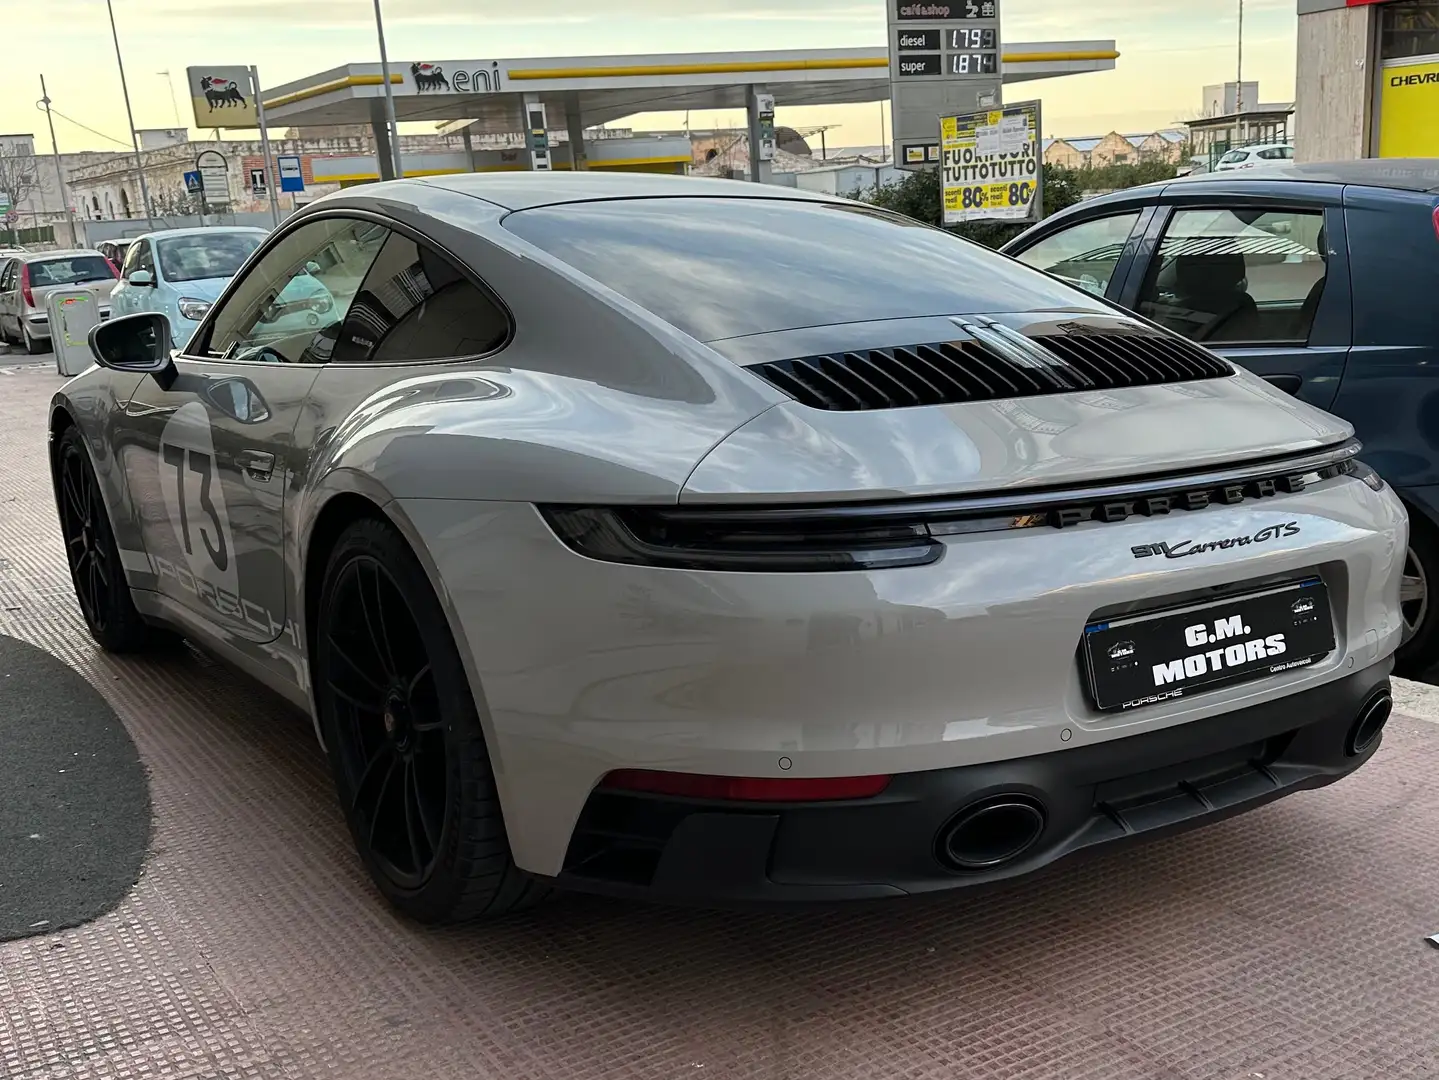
[5,203]
[214,173]
[292,173]
[192,182]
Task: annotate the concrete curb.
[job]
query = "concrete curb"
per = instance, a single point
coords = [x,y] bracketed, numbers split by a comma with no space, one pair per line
[1417,700]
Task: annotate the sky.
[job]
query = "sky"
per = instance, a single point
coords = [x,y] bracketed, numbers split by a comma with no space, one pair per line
[1169,50]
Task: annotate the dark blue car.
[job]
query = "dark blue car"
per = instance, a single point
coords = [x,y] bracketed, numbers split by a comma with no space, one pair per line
[1323,279]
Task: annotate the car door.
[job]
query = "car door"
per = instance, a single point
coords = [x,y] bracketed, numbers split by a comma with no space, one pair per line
[7,290]
[1258,271]
[212,454]
[127,298]
[1089,250]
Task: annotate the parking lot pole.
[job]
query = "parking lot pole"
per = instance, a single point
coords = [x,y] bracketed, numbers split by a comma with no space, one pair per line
[579,158]
[389,97]
[272,179]
[130,117]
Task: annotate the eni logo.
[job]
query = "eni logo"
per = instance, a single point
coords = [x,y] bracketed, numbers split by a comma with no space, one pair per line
[431,78]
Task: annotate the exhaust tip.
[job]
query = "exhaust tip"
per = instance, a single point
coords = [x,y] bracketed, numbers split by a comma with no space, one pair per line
[991,833]
[1367,728]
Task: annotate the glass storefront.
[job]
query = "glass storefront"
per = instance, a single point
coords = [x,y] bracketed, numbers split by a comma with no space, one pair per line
[1409,28]
[1409,89]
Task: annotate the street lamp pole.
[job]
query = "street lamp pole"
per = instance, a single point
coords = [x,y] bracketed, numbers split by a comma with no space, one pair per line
[1239,84]
[59,170]
[130,116]
[389,95]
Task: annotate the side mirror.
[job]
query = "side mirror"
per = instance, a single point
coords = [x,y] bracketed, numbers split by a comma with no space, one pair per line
[141,277]
[136,343]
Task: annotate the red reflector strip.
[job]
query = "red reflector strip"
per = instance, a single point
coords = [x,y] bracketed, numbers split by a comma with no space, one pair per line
[745,788]
[1436,222]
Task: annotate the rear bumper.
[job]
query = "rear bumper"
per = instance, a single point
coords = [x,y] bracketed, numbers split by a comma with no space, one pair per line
[1093,796]
[582,667]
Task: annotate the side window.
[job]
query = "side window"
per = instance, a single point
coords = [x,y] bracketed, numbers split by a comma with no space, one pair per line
[415,305]
[1274,153]
[139,257]
[6,276]
[289,307]
[1238,276]
[1084,255]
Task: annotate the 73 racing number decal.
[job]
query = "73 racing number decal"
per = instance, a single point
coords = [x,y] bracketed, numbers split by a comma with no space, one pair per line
[202,464]
[195,497]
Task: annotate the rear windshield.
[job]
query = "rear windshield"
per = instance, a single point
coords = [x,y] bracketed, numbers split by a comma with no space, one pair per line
[70,271]
[720,267]
[211,255]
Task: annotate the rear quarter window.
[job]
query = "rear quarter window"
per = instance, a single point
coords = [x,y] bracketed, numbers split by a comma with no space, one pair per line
[1393,266]
[721,268]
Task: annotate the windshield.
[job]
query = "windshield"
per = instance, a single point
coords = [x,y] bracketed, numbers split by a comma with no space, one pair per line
[725,267]
[70,271]
[212,255]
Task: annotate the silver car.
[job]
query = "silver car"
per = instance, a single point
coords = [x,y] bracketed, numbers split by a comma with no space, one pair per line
[27,279]
[699,540]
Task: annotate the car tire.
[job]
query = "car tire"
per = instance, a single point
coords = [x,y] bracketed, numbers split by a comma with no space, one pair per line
[101,589]
[32,346]
[1418,602]
[407,749]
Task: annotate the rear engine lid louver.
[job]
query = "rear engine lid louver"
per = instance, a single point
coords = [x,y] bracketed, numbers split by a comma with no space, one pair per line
[993,362]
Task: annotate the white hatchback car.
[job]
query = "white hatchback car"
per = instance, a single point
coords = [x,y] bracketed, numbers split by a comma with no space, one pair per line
[1268,156]
[180,273]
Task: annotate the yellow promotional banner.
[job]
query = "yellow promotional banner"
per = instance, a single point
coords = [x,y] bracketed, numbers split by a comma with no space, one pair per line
[990,164]
[222,96]
[1409,110]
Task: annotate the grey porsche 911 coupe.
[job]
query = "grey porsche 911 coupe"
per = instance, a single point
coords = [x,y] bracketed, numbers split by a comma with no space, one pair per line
[709,541]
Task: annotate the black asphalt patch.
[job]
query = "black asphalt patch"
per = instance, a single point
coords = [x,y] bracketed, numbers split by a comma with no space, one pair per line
[74,800]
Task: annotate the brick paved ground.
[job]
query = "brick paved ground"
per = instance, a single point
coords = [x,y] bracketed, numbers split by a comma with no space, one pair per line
[1284,944]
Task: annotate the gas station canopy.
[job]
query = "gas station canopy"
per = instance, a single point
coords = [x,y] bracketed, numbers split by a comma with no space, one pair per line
[590,91]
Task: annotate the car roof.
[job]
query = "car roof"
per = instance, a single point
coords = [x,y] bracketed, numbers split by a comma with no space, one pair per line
[195,230]
[526,190]
[1399,174]
[63,253]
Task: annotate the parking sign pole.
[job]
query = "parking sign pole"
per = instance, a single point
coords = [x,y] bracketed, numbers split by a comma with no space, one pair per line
[272,178]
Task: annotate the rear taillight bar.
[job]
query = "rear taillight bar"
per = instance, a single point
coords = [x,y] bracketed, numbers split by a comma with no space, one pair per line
[745,788]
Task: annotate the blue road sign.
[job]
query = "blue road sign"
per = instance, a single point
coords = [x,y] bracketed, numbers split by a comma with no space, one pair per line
[292,173]
[192,182]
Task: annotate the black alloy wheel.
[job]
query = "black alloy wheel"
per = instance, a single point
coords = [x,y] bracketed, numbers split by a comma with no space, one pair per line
[394,757]
[100,585]
[1419,652]
[406,745]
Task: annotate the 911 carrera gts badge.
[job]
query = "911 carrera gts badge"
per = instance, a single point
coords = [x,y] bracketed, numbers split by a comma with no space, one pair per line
[1185,548]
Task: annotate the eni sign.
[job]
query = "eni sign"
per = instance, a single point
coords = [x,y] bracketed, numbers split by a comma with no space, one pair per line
[464,77]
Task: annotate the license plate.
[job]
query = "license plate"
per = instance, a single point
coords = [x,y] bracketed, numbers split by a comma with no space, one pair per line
[1145,659]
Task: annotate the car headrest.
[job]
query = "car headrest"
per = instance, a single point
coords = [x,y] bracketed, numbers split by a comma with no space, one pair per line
[1207,274]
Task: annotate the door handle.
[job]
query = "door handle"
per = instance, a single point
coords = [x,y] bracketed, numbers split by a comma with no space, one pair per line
[256,464]
[1290,384]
